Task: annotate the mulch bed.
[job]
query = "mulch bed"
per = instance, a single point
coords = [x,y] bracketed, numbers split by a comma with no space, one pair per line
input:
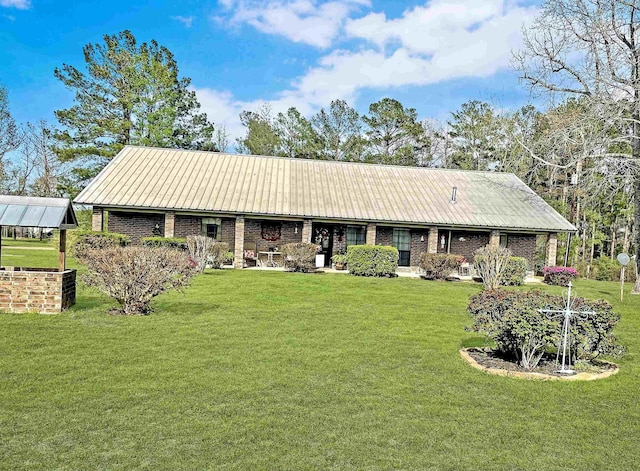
[547,365]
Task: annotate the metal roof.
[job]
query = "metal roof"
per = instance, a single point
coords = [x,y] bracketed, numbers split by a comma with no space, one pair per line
[28,211]
[183,180]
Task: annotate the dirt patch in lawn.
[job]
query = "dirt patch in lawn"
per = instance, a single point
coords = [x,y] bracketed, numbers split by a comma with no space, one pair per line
[493,363]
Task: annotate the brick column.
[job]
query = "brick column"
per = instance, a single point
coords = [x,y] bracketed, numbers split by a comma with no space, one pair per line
[97,219]
[306,231]
[552,249]
[169,224]
[432,243]
[494,239]
[371,234]
[238,253]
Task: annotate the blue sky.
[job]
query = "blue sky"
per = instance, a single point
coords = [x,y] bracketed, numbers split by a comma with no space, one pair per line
[431,55]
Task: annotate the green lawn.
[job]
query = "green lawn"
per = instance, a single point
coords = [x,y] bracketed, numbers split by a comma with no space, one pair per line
[264,370]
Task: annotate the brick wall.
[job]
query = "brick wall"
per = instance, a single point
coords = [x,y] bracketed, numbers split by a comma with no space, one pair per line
[228,233]
[418,246]
[384,235]
[253,234]
[37,290]
[471,242]
[136,225]
[523,245]
[187,226]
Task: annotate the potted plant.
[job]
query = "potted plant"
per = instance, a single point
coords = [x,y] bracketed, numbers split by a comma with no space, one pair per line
[340,261]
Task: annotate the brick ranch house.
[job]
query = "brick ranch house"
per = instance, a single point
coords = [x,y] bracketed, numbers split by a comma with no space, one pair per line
[258,203]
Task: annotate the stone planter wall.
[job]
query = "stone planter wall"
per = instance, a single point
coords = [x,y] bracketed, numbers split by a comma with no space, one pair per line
[43,290]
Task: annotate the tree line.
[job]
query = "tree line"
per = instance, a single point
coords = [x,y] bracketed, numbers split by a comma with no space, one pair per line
[580,152]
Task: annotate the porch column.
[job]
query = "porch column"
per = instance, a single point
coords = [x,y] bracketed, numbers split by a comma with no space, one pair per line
[169,224]
[432,242]
[306,231]
[97,219]
[238,252]
[371,234]
[552,249]
[494,239]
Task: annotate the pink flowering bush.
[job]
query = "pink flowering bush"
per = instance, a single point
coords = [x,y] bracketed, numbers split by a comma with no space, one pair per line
[559,276]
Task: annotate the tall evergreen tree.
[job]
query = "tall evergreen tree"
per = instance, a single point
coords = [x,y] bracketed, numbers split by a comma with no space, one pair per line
[474,132]
[129,94]
[394,134]
[261,137]
[297,136]
[340,131]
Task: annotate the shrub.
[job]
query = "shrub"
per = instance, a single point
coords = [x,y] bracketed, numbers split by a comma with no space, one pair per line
[559,276]
[199,248]
[219,255]
[299,256]
[515,272]
[134,275]
[89,240]
[511,319]
[439,266]
[372,260]
[491,263]
[340,260]
[171,242]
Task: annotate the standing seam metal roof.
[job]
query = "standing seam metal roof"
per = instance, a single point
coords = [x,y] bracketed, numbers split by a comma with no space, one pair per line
[181,180]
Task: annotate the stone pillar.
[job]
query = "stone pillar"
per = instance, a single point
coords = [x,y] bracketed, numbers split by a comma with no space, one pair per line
[494,239]
[169,224]
[238,252]
[432,243]
[97,219]
[552,249]
[371,234]
[306,231]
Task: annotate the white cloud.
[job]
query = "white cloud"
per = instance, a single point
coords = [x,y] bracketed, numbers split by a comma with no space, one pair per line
[442,40]
[19,4]
[187,21]
[301,21]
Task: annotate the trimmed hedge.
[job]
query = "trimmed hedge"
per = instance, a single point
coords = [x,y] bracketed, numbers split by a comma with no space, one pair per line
[171,242]
[88,240]
[372,260]
[515,272]
[299,256]
[439,266]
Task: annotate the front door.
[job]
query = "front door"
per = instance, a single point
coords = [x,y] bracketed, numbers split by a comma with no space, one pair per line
[323,236]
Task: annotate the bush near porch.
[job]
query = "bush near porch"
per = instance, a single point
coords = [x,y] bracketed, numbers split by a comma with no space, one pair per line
[271,370]
[372,260]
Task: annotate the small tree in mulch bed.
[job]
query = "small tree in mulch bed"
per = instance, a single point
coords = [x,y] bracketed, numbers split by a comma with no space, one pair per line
[134,275]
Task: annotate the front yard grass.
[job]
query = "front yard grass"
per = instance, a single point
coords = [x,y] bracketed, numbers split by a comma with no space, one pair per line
[265,370]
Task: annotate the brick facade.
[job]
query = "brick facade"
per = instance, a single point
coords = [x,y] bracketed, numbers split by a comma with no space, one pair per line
[384,235]
[136,225]
[465,243]
[187,226]
[37,290]
[523,245]
[228,232]
[253,234]
[419,244]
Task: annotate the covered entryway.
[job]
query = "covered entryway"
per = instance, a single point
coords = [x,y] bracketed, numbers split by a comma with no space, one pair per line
[322,234]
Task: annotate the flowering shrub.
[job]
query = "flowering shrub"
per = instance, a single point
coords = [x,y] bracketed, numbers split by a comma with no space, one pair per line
[299,256]
[439,266]
[171,242]
[511,319]
[559,276]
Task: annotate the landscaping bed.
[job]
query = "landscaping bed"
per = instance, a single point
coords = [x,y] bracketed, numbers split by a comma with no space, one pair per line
[493,362]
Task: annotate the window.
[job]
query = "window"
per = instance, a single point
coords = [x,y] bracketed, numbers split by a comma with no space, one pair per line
[356,235]
[503,240]
[402,242]
[211,227]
